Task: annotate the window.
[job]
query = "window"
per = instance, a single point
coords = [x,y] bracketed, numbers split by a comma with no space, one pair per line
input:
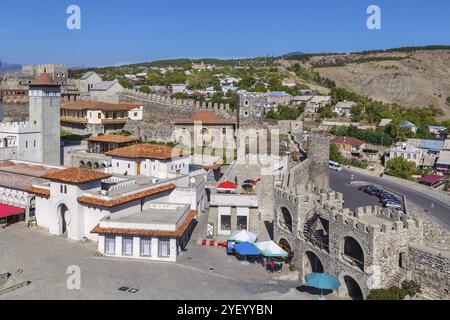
[127,245]
[26,144]
[34,143]
[117,164]
[99,115]
[225,222]
[146,247]
[110,244]
[62,189]
[242,222]
[65,189]
[129,166]
[135,114]
[164,247]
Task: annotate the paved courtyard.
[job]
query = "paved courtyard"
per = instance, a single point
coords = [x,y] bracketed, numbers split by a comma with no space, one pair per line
[201,273]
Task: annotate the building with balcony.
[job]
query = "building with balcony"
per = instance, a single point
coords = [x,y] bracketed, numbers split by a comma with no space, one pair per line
[93,117]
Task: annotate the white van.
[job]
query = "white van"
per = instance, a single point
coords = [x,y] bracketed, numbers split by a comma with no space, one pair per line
[335,166]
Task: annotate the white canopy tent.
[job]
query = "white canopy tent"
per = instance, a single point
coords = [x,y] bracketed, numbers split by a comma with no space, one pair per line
[271,249]
[243,236]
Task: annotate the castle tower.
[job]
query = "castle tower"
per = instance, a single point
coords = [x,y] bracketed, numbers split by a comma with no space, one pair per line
[319,157]
[45,109]
[250,108]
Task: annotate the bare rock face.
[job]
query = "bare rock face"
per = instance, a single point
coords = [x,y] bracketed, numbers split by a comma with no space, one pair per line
[414,79]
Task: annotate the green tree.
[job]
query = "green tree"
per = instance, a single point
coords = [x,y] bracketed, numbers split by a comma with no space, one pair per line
[335,153]
[401,168]
[144,89]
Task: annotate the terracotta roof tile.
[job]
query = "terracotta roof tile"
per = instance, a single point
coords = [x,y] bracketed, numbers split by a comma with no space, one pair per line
[96,105]
[144,150]
[157,233]
[206,117]
[348,140]
[40,191]
[125,199]
[76,176]
[44,79]
[114,138]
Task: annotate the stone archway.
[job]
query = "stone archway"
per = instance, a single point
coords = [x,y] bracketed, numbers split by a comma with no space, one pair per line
[64,217]
[312,263]
[285,218]
[352,288]
[285,245]
[352,252]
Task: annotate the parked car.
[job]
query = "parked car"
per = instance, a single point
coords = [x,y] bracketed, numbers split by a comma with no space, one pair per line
[370,190]
[395,200]
[393,205]
[334,166]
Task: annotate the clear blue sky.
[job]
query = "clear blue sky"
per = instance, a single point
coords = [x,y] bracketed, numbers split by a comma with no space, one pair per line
[115,32]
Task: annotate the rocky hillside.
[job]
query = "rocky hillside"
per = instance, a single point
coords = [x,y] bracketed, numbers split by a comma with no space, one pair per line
[413,78]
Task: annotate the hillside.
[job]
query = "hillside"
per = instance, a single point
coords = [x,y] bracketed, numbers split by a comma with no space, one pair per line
[412,79]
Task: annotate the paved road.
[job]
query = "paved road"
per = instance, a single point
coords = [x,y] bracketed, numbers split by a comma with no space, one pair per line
[339,181]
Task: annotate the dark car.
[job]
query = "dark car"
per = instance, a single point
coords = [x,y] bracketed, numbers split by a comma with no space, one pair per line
[369,190]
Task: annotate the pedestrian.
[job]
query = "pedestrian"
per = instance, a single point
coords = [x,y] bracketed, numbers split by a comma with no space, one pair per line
[272,266]
[264,262]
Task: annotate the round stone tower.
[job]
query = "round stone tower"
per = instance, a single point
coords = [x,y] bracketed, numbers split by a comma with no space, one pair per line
[319,157]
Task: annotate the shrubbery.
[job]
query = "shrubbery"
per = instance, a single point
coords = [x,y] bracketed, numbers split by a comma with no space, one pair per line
[409,288]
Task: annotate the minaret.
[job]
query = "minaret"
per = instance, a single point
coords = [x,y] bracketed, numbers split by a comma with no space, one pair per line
[45,109]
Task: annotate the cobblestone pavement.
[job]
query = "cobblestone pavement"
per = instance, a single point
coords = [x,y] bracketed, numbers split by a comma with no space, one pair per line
[45,259]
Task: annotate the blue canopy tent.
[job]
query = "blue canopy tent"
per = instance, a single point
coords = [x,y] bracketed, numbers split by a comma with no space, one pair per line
[246,249]
[322,281]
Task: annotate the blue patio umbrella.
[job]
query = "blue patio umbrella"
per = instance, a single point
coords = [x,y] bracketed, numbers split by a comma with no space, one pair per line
[322,281]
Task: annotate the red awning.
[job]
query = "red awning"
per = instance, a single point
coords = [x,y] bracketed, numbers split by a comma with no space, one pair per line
[8,211]
[431,179]
[227,185]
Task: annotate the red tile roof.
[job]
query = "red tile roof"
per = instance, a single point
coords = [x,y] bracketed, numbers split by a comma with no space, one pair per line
[144,150]
[125,199]
[114,138]
[76,176]
[206,117]
[156,233]
[432,178]
[44,79]
[348,140]
[40,191]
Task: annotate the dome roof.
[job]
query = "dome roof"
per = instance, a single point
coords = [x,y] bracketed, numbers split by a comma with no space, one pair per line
[205,116]
[43,79]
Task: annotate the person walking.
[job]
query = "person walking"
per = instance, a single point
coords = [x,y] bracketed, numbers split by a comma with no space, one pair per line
[272,266]
[264,262]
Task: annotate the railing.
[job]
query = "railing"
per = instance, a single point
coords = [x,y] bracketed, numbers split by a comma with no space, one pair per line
[285,225]
[354,262]
[315,242]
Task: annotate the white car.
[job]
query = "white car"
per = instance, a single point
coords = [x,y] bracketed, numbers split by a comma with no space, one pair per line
[392,205]
[335,166]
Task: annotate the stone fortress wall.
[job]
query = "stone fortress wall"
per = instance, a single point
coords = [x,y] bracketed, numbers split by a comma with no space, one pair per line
[367,249]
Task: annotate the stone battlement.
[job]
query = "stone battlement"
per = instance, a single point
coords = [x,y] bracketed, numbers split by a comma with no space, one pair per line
[372,219]
[167,100]
[18,127]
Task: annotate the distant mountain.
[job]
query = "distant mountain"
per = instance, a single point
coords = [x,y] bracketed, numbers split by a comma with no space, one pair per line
[9,67]
[293,54]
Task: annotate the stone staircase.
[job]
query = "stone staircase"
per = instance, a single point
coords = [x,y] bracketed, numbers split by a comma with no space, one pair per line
[395,281]
[309,229]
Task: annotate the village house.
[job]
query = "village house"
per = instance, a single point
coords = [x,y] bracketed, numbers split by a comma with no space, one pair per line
[349,146]
[279,97]
[406,151]
[106,91]
[443,162]
[105,143]
[316,103]
[94,117]
[344,108]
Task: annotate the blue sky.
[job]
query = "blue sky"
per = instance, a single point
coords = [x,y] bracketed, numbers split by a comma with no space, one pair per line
[115,32]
